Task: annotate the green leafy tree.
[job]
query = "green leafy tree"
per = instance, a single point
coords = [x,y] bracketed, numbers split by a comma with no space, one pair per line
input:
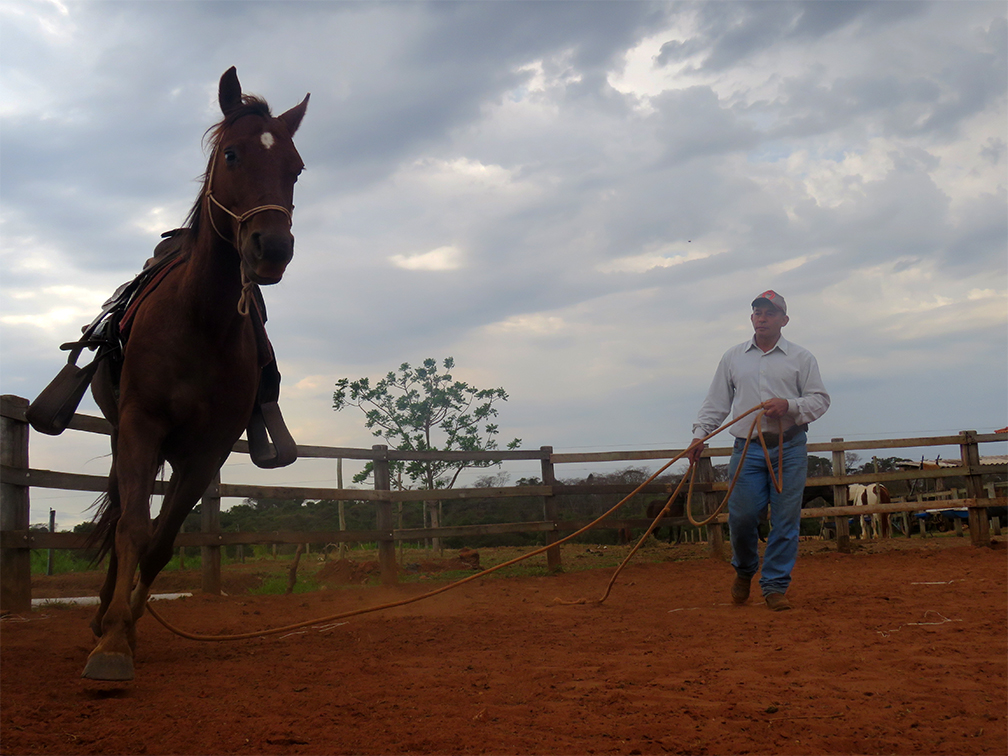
[424,409]
[819,467]
[885,464]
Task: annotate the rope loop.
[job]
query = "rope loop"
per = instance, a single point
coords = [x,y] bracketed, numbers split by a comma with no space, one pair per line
[247,292]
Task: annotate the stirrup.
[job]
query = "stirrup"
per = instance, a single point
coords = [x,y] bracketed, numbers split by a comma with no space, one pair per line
[54,407]
[267,423]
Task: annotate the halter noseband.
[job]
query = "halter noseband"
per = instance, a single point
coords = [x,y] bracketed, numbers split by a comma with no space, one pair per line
[244,216]
[243,301]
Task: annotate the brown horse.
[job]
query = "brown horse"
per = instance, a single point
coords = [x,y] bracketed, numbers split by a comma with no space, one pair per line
[191,366]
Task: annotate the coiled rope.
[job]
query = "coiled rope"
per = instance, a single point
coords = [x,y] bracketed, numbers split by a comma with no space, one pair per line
[691,475]
[759,408]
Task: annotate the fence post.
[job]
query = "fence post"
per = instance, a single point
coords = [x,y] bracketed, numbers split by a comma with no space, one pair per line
[15,511]
[386,523]
[969,450]
[715,535]
[553,560]
[840,499]
[341,506]
[52,529]
[210,556]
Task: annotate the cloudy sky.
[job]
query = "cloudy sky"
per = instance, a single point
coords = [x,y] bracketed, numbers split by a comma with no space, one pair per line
[576,201]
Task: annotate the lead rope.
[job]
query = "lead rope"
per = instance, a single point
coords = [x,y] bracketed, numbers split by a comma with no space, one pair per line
[403,602]
[246,294]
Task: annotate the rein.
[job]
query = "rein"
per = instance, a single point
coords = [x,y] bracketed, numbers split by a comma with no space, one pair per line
[246,294]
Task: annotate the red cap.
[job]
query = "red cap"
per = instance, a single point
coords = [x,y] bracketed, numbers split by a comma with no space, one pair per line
[772,297]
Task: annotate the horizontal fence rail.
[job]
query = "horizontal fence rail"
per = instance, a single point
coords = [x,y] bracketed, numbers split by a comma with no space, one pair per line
[17,478]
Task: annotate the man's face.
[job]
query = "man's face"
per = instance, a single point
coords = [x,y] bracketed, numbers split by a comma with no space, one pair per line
[767,321]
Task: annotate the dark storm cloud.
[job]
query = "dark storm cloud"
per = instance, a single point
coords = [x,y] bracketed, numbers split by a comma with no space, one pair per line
[905,103]
[728,33]
[596,33]
[466,56]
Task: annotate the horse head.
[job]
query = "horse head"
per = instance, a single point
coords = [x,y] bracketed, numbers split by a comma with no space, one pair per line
[250,180]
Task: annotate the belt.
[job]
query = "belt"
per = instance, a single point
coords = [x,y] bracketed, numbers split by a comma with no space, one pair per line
[772,439]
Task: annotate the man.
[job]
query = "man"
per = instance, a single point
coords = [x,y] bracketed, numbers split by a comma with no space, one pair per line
[784,378]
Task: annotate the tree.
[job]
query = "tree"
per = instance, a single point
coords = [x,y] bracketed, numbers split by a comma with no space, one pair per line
[500,480]
[423,409]
[885,464]
[819,467]
[420,409]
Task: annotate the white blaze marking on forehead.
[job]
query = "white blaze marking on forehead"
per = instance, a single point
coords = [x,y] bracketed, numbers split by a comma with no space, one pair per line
[267,139]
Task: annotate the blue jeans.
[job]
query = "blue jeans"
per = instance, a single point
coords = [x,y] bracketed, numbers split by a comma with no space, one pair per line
[753,492]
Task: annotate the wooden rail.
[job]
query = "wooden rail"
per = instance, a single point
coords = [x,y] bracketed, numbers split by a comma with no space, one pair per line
[17,478]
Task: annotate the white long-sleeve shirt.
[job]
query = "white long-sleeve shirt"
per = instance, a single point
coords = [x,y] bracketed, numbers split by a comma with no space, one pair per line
[746,376]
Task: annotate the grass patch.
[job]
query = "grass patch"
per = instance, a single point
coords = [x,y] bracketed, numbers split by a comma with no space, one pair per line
[276,585]
[417,565]
[63,561]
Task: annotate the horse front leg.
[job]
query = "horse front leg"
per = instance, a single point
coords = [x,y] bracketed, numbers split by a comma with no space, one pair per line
[105,594]
[136,467]
[188,483]
[111,513]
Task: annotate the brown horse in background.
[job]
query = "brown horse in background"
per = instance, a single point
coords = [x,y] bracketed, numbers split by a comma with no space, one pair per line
[191,366]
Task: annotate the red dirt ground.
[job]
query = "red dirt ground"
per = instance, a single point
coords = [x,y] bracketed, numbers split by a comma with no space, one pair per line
[887,650]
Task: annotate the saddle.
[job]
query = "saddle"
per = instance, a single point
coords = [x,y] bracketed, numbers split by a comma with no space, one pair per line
[106,335]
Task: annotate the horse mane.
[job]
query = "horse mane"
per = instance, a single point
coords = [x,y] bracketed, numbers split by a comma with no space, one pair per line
[251,105]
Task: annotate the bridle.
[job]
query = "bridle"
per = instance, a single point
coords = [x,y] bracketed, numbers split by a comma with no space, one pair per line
[208,193]
[247,284]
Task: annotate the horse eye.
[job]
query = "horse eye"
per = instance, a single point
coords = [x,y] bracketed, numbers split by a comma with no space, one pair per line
[230,157]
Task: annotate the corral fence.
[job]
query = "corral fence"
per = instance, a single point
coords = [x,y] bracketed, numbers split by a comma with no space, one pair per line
[17,540]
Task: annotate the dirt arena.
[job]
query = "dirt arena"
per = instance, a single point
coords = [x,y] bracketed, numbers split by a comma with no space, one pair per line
[898,649]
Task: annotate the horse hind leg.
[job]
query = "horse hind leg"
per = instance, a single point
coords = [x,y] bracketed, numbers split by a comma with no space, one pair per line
[880,526]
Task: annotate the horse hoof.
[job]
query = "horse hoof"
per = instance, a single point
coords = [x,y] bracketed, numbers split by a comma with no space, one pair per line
[109,666]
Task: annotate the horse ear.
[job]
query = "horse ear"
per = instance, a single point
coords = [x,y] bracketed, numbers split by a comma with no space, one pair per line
[229,92]
[293,116]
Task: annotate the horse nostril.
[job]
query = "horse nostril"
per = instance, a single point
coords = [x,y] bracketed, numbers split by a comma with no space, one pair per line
[277,248]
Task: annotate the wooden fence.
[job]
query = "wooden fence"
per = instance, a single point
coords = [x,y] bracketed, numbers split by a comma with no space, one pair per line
[17,477]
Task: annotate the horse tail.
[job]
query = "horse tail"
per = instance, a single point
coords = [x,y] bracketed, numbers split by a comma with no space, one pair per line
[102,536]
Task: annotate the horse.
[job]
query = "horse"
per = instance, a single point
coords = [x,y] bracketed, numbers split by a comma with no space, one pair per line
[876,524]
[190,369]
[675,510]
